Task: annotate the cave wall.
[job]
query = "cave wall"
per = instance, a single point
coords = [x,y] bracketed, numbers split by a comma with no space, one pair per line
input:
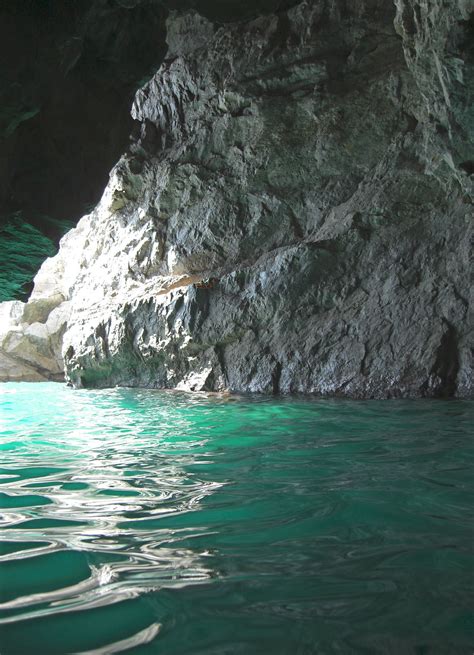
[293,213]
[68,75]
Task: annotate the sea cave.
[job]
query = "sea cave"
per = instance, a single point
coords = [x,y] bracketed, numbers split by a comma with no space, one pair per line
[236,338]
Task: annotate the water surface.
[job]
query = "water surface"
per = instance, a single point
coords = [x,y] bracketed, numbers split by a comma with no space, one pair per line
[155,522]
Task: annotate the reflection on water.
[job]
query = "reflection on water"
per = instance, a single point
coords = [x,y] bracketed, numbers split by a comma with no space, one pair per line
[135,520]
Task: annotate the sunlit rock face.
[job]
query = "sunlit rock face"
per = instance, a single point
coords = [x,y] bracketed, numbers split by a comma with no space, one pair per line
[68,75]
[292,215]
[31,340]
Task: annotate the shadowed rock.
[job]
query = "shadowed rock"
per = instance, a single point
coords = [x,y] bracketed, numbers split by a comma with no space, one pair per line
[313,162]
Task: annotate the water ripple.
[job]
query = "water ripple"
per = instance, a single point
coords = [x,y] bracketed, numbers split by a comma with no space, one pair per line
[132,520]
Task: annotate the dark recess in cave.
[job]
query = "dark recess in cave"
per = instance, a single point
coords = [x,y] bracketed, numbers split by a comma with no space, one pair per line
[468,167]
[446,366]
[68,74]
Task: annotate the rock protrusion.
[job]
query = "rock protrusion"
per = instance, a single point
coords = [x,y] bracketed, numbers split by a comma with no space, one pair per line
[316,163]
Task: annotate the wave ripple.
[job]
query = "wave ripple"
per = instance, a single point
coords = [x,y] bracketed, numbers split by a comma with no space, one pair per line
[133,520]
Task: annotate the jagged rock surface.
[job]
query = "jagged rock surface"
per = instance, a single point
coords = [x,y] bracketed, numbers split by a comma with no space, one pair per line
[319,165]
[31,340]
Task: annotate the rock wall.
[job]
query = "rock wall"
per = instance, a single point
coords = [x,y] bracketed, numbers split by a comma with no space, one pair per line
[293,213]
[31,340]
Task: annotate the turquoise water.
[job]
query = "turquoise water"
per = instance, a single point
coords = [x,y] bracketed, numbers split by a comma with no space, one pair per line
[155,522]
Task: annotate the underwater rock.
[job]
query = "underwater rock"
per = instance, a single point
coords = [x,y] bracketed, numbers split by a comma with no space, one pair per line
[293,213]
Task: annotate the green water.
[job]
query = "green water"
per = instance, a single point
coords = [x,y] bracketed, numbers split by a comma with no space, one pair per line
[154,522]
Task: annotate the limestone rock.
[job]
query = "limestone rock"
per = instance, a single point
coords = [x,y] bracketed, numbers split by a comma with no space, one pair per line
[31,340]
[314,169]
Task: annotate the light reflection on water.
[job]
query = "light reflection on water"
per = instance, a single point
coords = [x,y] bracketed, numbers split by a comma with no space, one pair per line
[201,523]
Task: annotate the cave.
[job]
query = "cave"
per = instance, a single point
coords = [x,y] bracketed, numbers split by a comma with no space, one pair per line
[235,326]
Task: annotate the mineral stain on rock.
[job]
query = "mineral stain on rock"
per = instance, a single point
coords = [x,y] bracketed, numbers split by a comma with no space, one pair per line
[317,163]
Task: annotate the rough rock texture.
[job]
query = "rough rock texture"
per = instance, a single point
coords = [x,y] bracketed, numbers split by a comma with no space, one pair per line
[68,73]
[318,166]
[31,340]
